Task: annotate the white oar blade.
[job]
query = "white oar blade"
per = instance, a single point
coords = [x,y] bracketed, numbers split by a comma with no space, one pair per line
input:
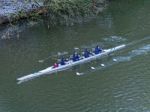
[93,68]
[114,60]
[41,61]
[62,53]
[77,73]
[76,48]
[102,65]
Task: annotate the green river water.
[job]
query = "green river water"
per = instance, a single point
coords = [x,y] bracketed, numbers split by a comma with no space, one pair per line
[119,86]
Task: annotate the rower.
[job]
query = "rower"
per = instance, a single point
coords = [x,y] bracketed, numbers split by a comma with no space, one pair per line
[55,65]
[75,57]
[97,50]
[62,61]
[86,53]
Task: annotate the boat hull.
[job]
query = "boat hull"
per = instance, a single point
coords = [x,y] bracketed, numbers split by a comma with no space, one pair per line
[51,70]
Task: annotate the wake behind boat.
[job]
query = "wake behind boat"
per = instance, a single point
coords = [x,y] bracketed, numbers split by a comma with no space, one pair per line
[68,64]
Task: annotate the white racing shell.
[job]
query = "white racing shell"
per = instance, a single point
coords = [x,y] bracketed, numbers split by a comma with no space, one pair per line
[68,64]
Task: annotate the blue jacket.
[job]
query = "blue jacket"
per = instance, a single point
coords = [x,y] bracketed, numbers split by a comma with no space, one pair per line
[62,62]
[86,53]
[97,50]
[75,57]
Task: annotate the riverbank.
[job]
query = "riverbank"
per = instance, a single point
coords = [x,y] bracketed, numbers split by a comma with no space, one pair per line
[69,12]
[11,10]
[56,10]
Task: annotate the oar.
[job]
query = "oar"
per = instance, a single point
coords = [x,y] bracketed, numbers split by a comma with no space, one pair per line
[114,60]
[42,60]
[55,57]
[102,65]
[93,68]
[76,48]
[77,73]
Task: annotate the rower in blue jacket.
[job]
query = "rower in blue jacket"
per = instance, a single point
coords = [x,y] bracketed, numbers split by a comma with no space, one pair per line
[86,53]
[62,61]
[75,57]
[97,50]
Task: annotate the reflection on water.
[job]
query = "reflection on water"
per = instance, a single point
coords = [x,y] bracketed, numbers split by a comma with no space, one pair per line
[119,82]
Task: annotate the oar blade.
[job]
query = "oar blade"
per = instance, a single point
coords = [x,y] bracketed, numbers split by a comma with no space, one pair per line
[77,73]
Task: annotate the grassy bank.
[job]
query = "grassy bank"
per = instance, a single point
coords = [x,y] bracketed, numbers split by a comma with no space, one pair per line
[71,11]
[57,11]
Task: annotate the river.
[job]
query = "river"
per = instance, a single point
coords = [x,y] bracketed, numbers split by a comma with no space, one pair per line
[121,85]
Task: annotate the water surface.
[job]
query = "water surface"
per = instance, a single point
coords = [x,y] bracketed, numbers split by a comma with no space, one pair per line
[122,85]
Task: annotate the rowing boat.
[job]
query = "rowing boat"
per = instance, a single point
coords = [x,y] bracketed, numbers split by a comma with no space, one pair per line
[51,69]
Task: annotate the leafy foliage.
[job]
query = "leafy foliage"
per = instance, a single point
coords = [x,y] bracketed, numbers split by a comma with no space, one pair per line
[70,9]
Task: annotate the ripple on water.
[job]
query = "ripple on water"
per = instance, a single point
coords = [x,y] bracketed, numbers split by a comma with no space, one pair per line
[126,110]
[140,51]
[143,50]
[115,39]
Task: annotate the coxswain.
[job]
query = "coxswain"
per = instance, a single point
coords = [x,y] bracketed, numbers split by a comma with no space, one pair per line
[55,65]
[97,50]
[62,61]
[86,53]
